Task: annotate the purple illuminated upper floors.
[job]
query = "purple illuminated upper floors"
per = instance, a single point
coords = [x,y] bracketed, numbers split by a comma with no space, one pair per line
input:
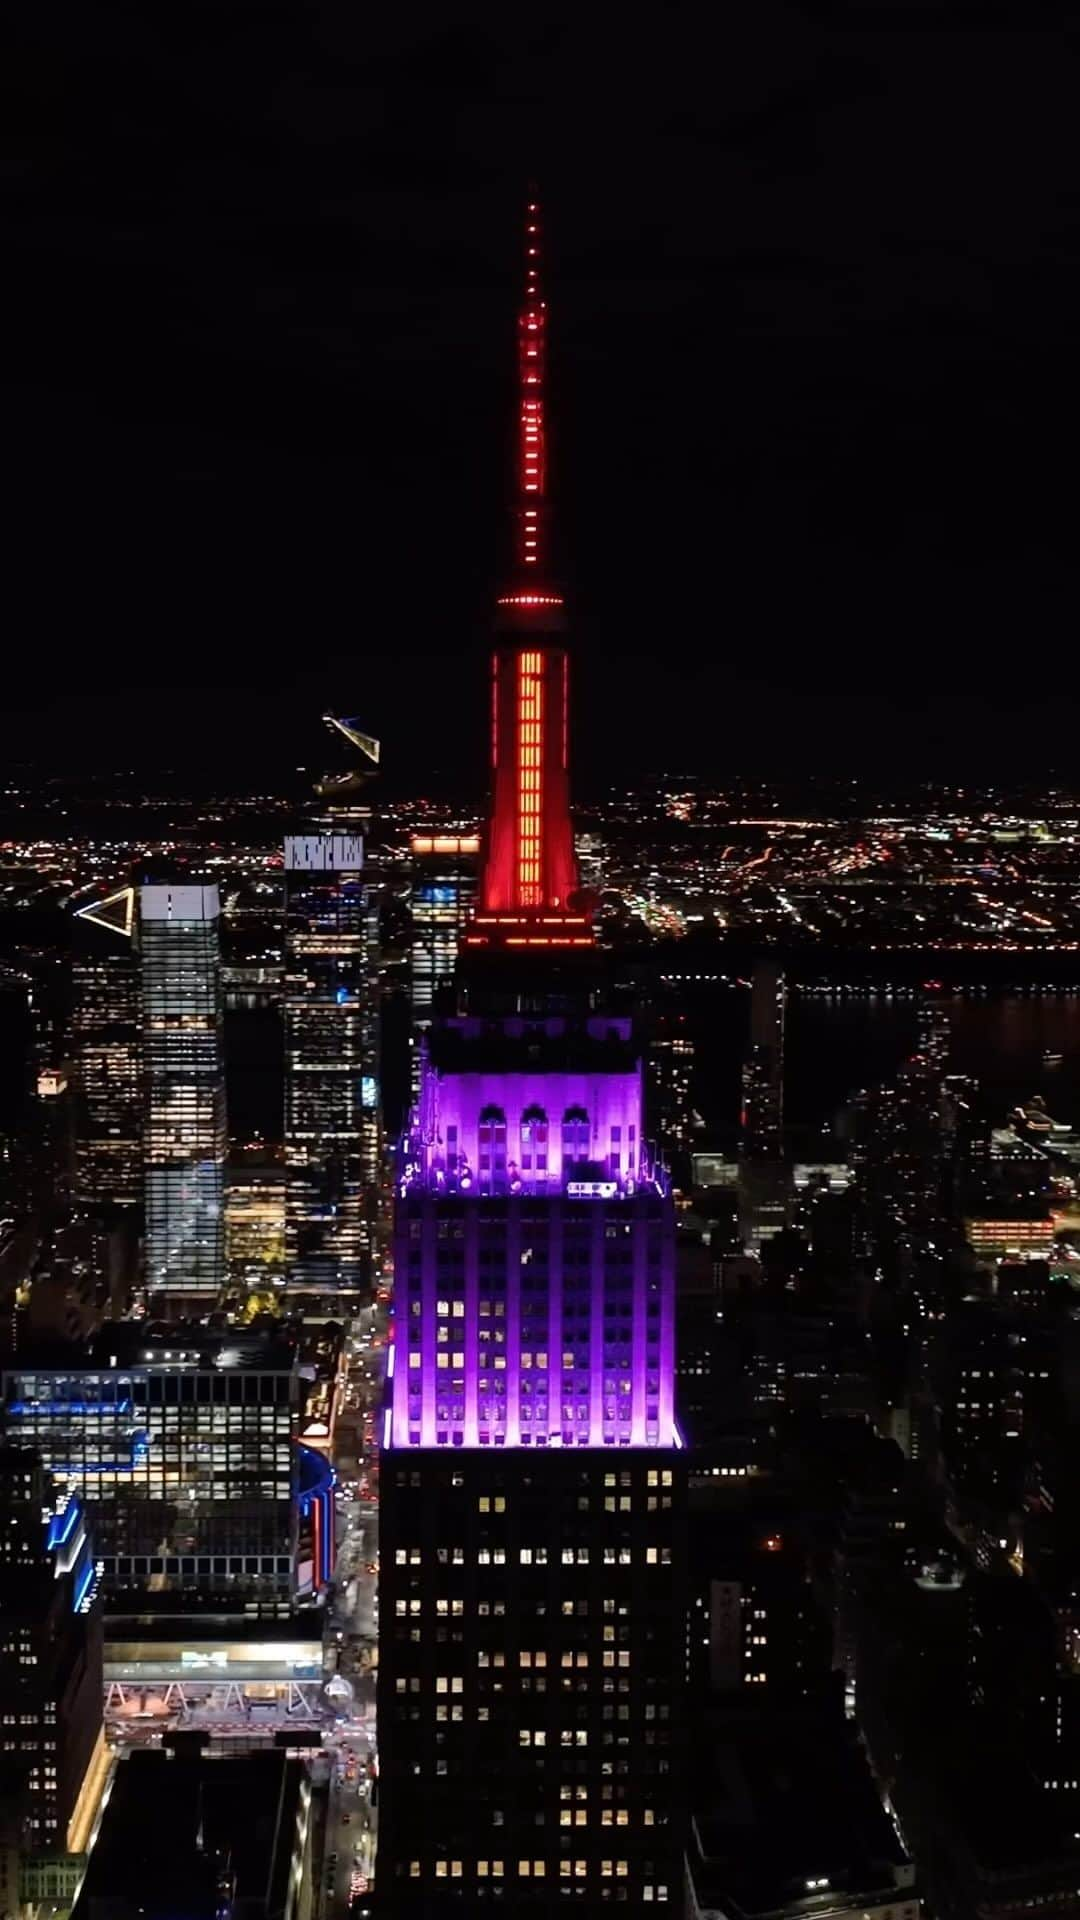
[540,1104]
[533,1320]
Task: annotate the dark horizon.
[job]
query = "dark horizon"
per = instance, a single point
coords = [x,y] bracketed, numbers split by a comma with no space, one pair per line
[813,292]
[632,723]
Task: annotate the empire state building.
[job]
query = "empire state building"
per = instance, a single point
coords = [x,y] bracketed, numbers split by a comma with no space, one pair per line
[532,1623]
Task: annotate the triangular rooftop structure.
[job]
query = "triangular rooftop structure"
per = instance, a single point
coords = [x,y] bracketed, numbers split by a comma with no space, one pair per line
[369,747]
[116,913]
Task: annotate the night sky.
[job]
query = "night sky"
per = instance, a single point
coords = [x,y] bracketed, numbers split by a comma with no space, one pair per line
[815,308]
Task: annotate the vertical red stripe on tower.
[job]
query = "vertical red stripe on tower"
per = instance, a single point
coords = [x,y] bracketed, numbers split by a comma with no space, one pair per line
[495,710]
[530,779]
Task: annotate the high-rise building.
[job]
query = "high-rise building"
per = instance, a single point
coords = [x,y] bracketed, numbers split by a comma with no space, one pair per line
[180,1442]
[255,1225]
[443,896]
[532,1639]
[333,1140]
[933,1034]
[670,1083]
[787,1823]
[50,1653]
[107,1076]
[17,1130]
[763,1071]
[185,1141]
[211,1836]
[764,1177]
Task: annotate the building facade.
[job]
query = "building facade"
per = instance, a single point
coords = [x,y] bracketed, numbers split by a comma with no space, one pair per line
[443,896]
[107,1056]
[182,1452]
[531,1647]
[763,1070]
[255,1226]
[333,1140]
[50,1654]
[531,1637]
[185,1140]
[670,1085]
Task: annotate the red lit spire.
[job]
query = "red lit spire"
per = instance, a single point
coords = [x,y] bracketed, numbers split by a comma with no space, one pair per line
[529,590]
[530,874]
[532,475]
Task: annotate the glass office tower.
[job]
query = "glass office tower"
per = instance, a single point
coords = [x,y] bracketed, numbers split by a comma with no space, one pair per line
[333,1135]
[107,1078]
[444,877]
[184,1143]
[445,872]
[180,1442]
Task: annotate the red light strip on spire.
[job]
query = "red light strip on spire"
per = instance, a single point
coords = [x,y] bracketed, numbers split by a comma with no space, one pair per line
[530,777]
[531,464]
[495,710]
[530,600]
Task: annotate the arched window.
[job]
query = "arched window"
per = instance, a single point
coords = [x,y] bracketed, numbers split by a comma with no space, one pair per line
[534,1143]
[492,1144]
[575,1137]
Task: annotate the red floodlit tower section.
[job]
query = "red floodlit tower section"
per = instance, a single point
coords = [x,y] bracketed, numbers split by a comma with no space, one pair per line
[529,892]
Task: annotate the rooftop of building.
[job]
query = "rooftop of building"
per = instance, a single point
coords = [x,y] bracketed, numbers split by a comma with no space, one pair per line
[756,1530]
[878,1471]
[999,1815]
[176,1825]
[523,1042]
[156,1625]
[742,1451]
[988,1328]
[124,1344]
[1009,1208]
[786,1813]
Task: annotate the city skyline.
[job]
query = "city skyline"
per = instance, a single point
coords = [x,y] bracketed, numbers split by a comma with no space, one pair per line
[540,1221]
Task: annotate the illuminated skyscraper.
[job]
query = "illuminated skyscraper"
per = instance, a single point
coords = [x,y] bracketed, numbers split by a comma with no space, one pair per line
[332,1123]
[529,886]
[670,1083]
[107,1067]
[255,1226]
[443,899]
[185,1139]
[180,1441]
[531,1616]
[763,1071]
[50,1655]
